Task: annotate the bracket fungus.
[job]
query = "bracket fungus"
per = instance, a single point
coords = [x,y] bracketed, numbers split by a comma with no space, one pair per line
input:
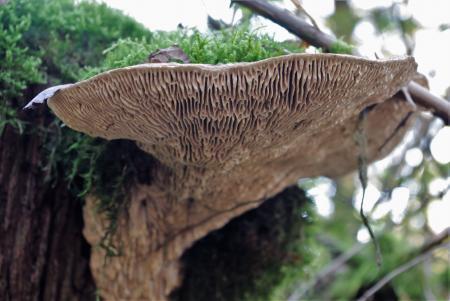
[228,137]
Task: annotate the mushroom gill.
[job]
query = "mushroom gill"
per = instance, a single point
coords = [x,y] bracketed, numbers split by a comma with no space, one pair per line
[228,137]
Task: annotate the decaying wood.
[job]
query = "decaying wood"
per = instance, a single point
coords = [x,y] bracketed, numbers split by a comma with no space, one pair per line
[168,55]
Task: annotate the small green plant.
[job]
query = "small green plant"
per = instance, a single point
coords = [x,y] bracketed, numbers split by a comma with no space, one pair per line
[222,47]
[341,47]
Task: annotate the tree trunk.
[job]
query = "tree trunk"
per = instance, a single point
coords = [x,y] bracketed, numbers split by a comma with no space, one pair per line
[43,255]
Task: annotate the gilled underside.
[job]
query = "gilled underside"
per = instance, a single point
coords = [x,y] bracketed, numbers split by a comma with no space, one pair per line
[228,137]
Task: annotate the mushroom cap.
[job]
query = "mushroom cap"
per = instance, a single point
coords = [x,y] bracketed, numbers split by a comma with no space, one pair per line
[220,115]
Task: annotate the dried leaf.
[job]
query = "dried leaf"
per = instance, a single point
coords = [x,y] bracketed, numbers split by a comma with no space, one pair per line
[173,54]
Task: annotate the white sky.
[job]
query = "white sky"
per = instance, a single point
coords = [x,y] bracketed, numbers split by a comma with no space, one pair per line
[432,47]
[432,54]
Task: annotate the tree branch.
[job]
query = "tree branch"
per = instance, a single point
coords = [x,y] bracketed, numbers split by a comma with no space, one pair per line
[317,38]
[327,273]
[424,253]
[423,97]
[289,21]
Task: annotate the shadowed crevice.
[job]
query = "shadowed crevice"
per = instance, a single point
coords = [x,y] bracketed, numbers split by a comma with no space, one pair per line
[247,254]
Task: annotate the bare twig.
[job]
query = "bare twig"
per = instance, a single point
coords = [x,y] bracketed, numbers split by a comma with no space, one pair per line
[301,9]
[361,141]
[328,272]
[409,98]
[315,37]
[289,21]
[423,97]
[435,241]
[424,254]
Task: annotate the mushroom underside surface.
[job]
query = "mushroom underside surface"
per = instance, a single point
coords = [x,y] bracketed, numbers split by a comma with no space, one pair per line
[228,137]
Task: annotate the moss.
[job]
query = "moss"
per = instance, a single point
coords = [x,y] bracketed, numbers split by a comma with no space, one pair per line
[8,117]
[256,256]
[120,165]
[47,42]
[341,47]
[226,46]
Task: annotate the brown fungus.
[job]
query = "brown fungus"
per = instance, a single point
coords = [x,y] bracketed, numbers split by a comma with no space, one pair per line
[229,137]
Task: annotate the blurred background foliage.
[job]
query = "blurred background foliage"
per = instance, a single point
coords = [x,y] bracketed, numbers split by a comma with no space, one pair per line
[49,42]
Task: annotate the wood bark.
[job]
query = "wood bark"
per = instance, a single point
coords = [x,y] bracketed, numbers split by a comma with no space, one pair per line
[43,255]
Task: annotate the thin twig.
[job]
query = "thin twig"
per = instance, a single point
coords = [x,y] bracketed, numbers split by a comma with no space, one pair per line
[328,272]
[435,241]
[409,98]
[401,269]
[361,141]
[301,9]
[289,21]
[317,38]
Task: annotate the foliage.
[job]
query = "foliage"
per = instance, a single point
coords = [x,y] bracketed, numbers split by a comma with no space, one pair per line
[388,19]
[399,238]
[343,21]
[341,47]
[44,43]
[226,46]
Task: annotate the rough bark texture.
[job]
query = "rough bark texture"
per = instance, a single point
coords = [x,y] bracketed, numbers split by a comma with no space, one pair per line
[43,255]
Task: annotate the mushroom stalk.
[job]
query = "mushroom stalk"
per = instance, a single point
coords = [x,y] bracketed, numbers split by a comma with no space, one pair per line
[317,38]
